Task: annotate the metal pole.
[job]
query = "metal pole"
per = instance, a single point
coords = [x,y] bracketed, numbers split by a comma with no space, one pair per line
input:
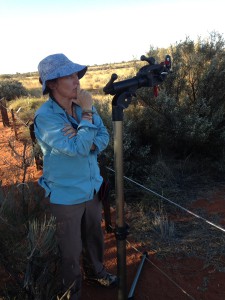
[120,220]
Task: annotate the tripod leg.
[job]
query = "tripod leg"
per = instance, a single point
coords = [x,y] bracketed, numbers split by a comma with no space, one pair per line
[131,293]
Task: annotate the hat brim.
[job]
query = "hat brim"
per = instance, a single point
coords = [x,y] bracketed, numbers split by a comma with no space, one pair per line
[82,72]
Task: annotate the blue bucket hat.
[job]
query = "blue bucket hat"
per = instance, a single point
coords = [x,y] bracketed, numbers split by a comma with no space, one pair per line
[55,66]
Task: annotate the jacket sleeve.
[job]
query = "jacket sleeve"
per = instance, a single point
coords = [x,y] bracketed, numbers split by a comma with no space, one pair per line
[48,130]
[101,139]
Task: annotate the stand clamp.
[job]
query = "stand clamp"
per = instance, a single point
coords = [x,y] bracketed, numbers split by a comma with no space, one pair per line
[121,233]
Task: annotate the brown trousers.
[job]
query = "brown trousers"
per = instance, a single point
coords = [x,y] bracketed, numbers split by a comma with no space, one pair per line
[78,230]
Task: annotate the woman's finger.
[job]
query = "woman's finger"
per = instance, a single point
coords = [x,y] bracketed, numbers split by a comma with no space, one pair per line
[68,129]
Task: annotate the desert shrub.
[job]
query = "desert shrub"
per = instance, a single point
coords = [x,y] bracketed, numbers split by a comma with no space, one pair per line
[137,148]
[11,89]
[189,114]
[181,128]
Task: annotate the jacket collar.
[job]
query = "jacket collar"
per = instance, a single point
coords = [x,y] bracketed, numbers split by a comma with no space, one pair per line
[57,108]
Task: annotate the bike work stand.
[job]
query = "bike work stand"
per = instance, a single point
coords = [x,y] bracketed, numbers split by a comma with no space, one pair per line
[150,75]
[119,103]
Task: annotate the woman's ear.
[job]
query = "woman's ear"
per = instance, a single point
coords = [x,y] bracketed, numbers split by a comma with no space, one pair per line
[51,84]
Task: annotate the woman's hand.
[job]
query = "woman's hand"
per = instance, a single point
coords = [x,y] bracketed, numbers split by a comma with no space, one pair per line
[69,130]
[84,99]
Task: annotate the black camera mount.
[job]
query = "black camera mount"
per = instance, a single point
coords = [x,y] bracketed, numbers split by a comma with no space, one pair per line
[150,75]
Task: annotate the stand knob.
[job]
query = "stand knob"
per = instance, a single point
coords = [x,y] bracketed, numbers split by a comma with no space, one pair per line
[108,86]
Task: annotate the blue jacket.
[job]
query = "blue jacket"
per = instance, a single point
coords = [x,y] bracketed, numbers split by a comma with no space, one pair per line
[70,173]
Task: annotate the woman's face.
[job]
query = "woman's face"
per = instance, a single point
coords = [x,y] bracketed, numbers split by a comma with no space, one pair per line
[66,87]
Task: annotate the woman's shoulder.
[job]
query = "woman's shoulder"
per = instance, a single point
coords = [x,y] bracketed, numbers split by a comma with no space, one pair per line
[46,107]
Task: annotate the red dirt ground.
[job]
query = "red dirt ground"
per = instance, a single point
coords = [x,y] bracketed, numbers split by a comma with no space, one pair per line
[187,274]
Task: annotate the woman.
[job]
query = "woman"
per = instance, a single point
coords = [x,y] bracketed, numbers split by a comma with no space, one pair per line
[71,134]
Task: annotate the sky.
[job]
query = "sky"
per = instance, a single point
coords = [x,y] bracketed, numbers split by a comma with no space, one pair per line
[99,31]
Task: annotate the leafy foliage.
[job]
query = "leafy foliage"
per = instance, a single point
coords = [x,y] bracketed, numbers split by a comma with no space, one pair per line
[189,114]
[11,89]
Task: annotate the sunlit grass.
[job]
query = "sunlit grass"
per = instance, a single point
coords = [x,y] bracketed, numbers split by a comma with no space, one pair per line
[24,108]
[30,82]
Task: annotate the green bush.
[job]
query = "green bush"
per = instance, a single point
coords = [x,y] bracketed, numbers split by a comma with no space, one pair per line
[188,116]
[12,89]
[187,119]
